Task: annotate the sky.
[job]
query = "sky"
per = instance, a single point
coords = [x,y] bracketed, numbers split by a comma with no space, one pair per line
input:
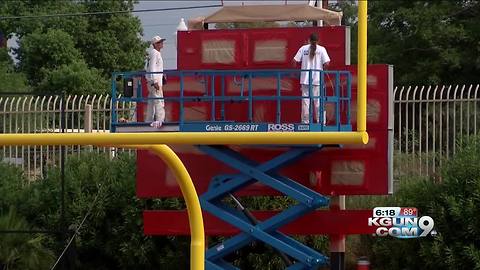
[164,23]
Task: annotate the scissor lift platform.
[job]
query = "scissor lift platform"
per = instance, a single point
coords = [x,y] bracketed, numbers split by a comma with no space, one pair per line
[268,173]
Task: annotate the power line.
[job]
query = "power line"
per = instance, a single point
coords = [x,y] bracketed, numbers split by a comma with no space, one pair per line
[78,228]
[102,12]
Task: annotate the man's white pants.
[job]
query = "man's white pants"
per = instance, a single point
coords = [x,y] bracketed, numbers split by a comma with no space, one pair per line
[306,104]
[155,107]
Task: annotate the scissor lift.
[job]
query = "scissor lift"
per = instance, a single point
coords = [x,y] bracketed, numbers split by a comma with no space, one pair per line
[265,231]
[295,254]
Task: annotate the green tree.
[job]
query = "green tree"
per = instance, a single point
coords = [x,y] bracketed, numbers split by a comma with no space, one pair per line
[429,42]
[12,182]
[11,81]
[21,250]
[74,78]
[106,42]
[41,53]
[112,42]
[112,235]
[454,204]
[21,27]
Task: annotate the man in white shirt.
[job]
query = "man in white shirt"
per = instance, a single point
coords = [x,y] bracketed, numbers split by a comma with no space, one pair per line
[312,57]
[156,107]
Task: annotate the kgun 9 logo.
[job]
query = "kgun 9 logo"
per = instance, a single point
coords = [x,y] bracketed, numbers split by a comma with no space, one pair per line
[403,227]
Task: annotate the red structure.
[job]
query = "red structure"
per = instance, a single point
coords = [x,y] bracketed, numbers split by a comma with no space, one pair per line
[350,170]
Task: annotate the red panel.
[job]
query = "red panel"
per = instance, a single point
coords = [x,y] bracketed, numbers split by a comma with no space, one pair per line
[377,93]
[155,180]
[318,222]
[190,45]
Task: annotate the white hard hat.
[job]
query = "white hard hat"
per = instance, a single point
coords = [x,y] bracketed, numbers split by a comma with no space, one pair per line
[157,39]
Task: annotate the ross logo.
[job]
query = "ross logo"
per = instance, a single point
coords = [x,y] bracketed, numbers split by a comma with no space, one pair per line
[281,127]
[400,222]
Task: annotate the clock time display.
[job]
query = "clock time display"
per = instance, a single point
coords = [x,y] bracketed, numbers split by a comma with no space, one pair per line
[386,211]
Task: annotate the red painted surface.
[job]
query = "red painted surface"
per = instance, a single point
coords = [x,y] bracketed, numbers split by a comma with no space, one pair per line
[318,222]
[189,53]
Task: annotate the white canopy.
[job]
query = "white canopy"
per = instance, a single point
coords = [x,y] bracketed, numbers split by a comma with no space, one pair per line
[271,13]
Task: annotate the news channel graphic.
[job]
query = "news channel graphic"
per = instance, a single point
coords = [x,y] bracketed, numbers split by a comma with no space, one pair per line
[401,222]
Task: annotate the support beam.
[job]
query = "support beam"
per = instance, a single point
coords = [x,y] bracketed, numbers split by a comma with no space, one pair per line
[316,223]
[210,138]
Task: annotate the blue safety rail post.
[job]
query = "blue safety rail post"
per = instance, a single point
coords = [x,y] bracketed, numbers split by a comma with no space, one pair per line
[267,231]
[338,84]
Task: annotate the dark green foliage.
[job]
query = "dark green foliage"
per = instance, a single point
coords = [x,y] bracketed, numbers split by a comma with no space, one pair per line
[74,78]
[40,53]
[112,42]
[429,42]
[12,183]
[20,250]
[11,80]
[112,236]
[454,204]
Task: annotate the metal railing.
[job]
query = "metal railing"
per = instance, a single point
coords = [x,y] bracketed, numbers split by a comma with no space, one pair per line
[224,87]
[429,120]
[43,114]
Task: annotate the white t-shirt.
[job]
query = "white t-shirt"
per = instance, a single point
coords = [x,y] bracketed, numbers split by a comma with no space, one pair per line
[154,64]
[321,57]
